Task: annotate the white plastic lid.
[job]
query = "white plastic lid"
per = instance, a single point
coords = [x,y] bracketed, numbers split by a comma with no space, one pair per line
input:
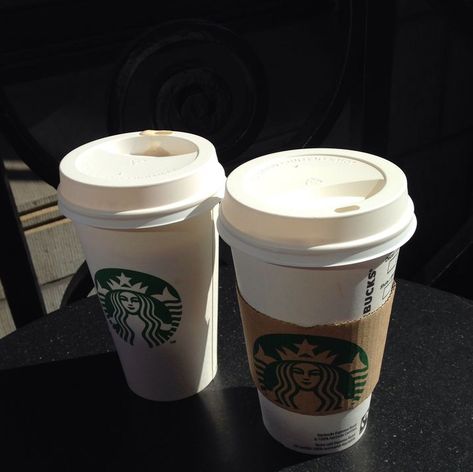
[317,207]
[140,180]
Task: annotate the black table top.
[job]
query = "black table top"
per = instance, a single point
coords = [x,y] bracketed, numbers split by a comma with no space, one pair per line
[65,403]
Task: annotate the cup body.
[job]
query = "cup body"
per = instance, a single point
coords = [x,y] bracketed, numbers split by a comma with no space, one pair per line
[315,296]
[179,358]
[145,208]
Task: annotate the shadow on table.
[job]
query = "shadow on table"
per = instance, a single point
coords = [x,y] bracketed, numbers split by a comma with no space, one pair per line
[80,414]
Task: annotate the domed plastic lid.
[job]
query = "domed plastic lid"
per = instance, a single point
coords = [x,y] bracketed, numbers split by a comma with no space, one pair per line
[317,207]
[139,180]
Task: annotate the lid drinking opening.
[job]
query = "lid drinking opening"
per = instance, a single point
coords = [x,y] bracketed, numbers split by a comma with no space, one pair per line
[158,143]
[346,209]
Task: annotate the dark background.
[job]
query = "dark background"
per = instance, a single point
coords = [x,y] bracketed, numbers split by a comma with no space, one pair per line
[258,77]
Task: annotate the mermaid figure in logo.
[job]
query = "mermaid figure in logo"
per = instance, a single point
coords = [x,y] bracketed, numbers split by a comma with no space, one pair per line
[295,379]
[126,304]
[122,301]
[303,379]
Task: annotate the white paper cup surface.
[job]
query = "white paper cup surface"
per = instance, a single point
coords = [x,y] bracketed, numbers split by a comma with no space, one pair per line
[328,434]
[308,296]
[170,272]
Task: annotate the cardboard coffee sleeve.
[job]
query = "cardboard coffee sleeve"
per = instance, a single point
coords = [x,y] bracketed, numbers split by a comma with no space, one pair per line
[317,370]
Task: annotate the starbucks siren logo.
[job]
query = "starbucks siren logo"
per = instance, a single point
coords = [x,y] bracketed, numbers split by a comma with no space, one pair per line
[310,374]
[139,304]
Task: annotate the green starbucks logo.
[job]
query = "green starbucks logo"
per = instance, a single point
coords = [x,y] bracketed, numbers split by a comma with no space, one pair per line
[309,374]
[138,304]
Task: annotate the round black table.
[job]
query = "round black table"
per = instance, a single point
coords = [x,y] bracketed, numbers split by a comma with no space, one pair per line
[65,404]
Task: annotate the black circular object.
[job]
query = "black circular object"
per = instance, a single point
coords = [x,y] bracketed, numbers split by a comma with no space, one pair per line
[194,76]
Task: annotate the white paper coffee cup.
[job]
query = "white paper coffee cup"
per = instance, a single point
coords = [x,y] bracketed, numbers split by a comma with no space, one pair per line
[145,206]
[315,235]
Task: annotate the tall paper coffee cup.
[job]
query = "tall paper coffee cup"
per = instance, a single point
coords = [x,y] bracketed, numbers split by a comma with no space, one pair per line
[315,236]
[144,206]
